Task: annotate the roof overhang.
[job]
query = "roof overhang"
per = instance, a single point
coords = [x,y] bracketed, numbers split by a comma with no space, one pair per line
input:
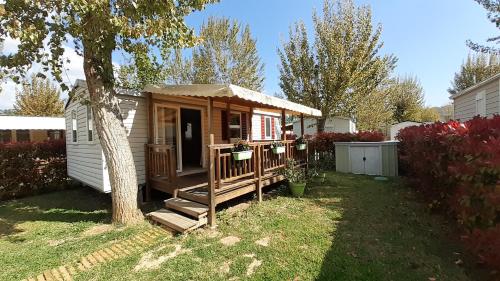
[233,92]
[471,88]
[31,123]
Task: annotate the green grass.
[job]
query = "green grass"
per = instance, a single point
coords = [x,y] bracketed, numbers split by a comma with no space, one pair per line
[346,228]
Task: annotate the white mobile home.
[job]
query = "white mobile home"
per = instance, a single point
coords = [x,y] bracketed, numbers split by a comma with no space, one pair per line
[334,124]
[482,99]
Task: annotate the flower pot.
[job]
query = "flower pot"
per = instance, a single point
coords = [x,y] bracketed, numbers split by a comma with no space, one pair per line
[301,146]
[242,155]
[297,189]
[279,150]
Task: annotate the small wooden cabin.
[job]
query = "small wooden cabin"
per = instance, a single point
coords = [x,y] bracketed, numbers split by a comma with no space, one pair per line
[181,138]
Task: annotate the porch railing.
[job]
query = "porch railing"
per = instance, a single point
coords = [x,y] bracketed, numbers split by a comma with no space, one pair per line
[160,161]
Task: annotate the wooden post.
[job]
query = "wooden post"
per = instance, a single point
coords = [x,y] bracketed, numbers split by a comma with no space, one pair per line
[249,126]
[283,125]
[301,124]
[258,171]
[211,184]
[228,120]
[146,164]
[210,113]
[150,110]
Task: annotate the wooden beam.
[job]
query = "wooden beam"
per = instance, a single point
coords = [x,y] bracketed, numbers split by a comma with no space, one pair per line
[301,124]
[283,125]
[210,112]
[211,184]
[250,126]
[228,120]
[150,110]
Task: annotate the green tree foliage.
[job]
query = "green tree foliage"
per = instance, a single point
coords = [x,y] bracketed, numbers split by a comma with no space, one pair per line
[429,114]
[375,113]
[341,67]
[142,29]
[39,97]
[493,8]
[476,68]
[407,99]
[228,54]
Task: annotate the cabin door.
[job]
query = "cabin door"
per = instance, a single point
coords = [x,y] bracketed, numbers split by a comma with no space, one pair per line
[191,139]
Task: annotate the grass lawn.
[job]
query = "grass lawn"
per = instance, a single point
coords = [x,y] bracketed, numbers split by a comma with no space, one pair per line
[346,228]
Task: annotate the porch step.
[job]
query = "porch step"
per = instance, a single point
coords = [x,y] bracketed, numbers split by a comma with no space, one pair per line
[187,207]
[176,221]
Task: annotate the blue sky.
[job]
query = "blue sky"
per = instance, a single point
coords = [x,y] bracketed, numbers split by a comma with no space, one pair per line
[427,36]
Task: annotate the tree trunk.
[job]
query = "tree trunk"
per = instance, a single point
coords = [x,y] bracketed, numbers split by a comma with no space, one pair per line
[321,124]
[108,121]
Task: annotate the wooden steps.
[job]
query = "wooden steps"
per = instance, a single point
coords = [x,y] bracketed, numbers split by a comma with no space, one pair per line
[191,208]
[181,215]
[176,221]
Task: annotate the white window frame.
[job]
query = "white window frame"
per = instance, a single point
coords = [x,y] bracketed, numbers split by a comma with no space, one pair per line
[480,103]
[90,124]
[268,134]
[74,126]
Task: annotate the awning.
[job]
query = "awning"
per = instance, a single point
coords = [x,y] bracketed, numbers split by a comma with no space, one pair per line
[31,123]
[229,91]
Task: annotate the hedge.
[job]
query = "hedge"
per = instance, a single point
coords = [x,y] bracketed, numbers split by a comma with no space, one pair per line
[28,168]
[456,167]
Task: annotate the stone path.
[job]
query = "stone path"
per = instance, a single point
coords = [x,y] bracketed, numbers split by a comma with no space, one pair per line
[114,251]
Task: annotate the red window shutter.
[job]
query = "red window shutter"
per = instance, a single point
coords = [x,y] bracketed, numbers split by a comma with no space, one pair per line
[262,128]
[223,121]
[272,128]
[244,129]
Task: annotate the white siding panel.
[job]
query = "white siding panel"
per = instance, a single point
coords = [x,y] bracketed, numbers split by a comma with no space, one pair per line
[465,105]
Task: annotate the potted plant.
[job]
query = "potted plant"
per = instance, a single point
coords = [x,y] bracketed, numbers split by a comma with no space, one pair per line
[277,147]
[241,151]
[300,143]
[296,178]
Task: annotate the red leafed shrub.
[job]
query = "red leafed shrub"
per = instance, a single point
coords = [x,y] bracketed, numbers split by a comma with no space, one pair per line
[28,168]
[456,167]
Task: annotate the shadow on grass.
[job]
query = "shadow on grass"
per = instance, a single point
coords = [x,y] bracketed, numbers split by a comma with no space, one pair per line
[384,234]
[75,205]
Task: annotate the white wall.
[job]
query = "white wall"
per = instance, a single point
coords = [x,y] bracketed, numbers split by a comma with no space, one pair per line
[86,161]
[257,126]
[334,124]
[465,106]
[399,126]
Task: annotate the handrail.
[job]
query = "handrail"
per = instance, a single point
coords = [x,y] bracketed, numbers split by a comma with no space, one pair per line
[160,161]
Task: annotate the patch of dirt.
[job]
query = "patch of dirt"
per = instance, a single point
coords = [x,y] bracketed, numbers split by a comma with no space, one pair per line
[58,242]
[208,233]
[264,241]
[238,208]
[253,266]
[225,267]
[98,229]
[230,240]
[148,261]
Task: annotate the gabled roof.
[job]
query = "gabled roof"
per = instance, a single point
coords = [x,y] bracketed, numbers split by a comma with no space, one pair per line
[31,123]
[232,91]
[471,88]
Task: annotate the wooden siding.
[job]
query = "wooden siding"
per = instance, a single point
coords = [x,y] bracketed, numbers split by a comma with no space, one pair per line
[465,105]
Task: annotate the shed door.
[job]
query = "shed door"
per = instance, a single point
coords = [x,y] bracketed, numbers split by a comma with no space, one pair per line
[357,163]
[372,160]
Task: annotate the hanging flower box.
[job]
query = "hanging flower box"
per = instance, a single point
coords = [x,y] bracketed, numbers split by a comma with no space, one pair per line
[242,155]
[279,150]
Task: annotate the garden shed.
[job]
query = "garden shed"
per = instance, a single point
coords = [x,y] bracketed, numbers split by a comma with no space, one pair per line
[368,158]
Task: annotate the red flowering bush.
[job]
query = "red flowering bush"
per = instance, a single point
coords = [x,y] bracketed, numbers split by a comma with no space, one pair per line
[28,168]
[456,167]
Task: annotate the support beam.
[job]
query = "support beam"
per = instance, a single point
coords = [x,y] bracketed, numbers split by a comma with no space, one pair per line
[228,120]
[283,125]
[301,125]
[211,184]
[150,110]
[250,126]
[210,113]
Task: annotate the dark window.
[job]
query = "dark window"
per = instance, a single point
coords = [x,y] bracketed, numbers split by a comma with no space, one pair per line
[54,134]
[22,135]
[5,136]
[90,133]
[74,128]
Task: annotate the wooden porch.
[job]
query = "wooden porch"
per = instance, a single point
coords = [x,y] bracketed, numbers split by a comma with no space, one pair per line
[226,178]
[219,178]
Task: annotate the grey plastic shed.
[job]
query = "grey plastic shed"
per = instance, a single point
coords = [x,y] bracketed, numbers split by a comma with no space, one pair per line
[368,158]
